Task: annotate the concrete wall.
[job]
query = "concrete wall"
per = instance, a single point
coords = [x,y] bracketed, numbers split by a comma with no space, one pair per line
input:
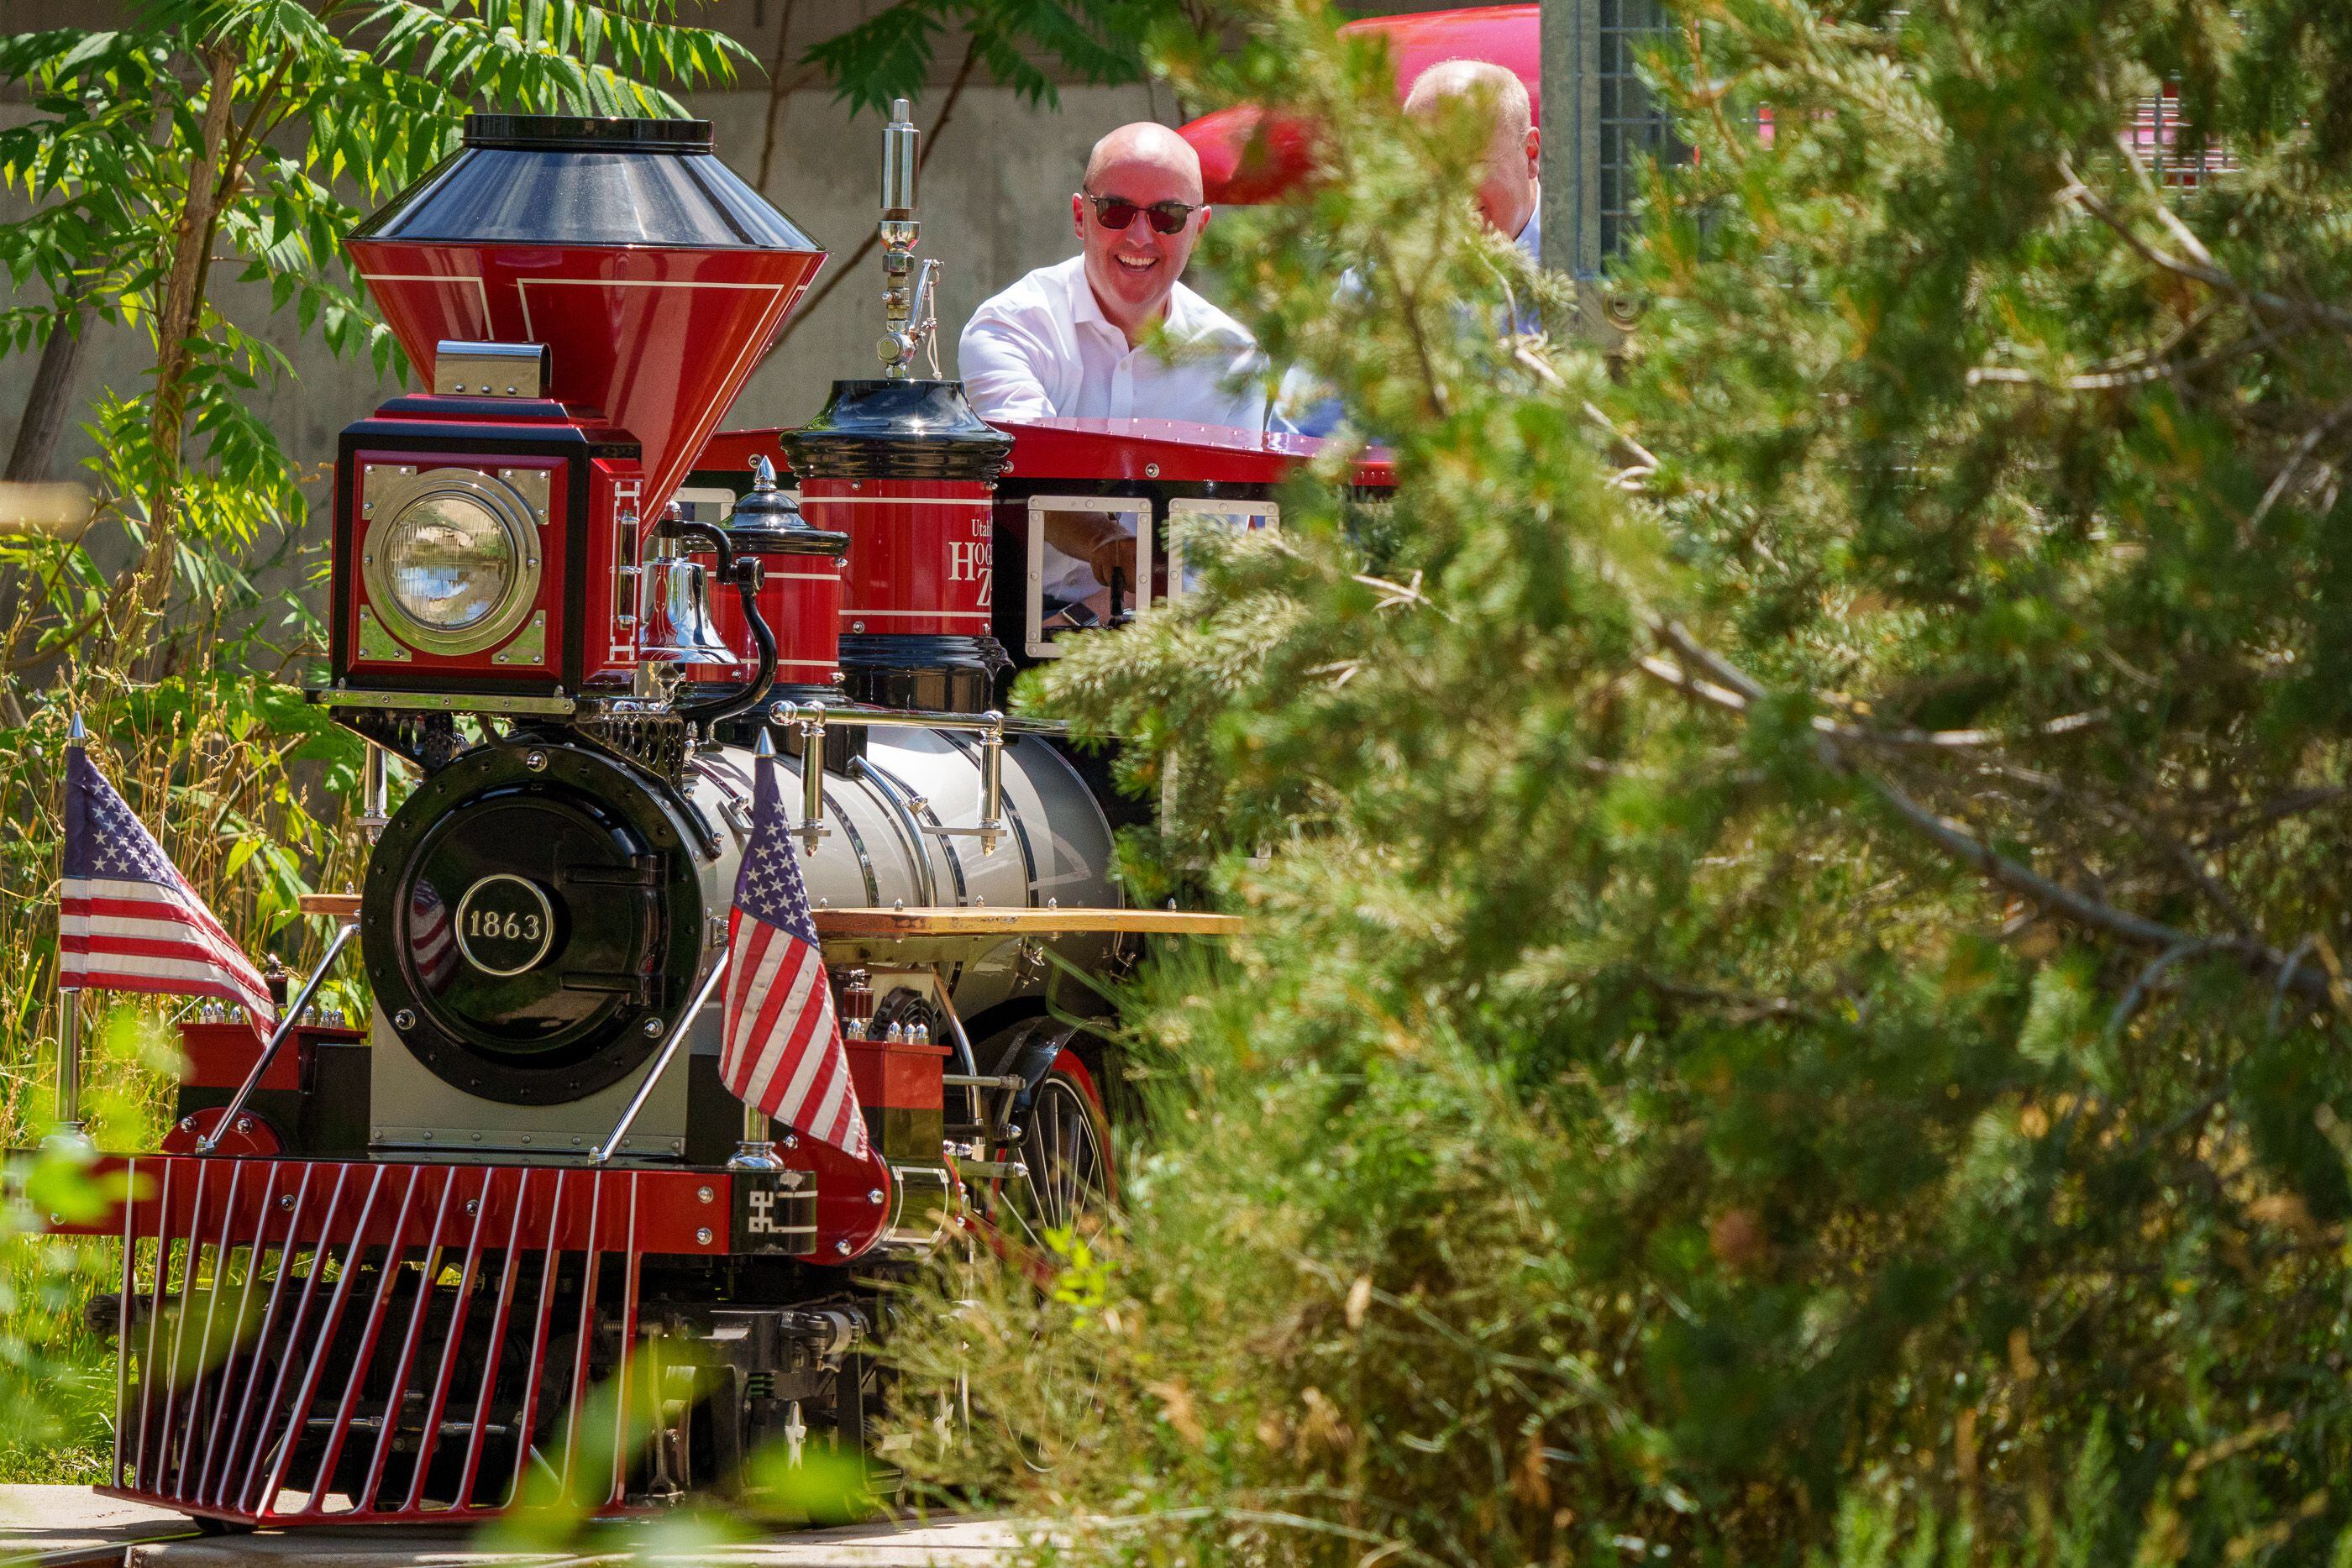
[995,203]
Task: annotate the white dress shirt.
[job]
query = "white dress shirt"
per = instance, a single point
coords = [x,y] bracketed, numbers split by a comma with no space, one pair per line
[1043,348]
[1304,406]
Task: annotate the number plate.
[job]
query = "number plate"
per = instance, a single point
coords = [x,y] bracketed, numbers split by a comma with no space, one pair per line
[505,924]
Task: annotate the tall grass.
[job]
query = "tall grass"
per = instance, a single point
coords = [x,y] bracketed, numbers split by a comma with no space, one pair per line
[243,784]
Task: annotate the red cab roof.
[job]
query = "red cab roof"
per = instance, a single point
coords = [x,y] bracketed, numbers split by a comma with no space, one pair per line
[1165,451]
[1100,451]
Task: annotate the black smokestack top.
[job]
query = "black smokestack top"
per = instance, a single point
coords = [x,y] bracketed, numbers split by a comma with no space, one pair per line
[586,133]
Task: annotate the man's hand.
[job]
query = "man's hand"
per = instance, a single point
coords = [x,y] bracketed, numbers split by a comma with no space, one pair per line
[1115,554]
[1099,539]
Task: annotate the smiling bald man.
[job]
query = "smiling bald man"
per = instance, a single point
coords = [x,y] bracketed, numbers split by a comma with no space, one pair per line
[1068,340]
[1072,339]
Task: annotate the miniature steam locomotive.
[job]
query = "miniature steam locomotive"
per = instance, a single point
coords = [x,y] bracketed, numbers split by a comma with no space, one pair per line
[378,1273]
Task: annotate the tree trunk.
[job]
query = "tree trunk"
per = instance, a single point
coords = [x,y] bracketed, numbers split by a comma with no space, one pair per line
[52,394]
[178,317]
[776,69]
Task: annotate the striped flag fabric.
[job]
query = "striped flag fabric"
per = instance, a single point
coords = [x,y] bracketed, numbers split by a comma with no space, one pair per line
[431,944]
[783,1051]
[127,919]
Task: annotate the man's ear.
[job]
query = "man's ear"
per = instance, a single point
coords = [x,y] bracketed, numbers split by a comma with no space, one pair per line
[1535,149]
[1207,212]
[1078,216]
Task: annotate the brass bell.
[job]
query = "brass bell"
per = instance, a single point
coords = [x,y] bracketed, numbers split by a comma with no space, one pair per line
[676,612]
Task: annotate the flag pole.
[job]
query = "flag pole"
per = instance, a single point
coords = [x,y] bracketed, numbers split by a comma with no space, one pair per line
[69,1128]
[755,1151]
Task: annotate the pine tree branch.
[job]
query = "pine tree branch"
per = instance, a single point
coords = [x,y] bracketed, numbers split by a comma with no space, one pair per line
[1734,690]
[2204,270]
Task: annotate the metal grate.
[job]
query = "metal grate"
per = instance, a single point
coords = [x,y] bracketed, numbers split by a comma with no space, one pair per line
[304,1341]
[1631,125]
[2156,137]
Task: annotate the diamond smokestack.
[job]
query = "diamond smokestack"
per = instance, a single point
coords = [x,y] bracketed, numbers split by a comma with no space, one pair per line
[654,276]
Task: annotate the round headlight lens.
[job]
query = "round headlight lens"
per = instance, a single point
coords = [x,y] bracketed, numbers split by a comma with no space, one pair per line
[448,562]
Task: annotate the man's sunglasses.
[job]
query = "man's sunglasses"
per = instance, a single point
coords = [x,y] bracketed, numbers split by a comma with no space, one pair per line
[1118,212]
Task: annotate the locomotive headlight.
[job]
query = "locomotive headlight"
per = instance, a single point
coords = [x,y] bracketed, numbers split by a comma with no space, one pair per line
[451,558]
[449,563]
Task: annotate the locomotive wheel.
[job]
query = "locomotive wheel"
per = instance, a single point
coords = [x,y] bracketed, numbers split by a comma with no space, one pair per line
[1065,1145]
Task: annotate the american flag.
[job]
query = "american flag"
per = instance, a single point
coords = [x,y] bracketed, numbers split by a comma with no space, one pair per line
[128,921]
[783,1051]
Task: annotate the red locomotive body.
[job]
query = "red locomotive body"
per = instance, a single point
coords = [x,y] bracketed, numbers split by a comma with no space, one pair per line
[413,1269]
[920,555]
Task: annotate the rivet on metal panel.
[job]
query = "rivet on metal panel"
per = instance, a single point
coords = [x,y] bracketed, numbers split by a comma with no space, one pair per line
[653,1028]
[1151,470]
[704,1195]
[403,1020]
[702,1236]
[245,1123]
[473,1206]
[841,1248]
[874,1195]
[286,1202]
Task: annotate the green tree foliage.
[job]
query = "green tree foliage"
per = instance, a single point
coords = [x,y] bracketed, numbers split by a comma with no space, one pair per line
[240,127]
[1023,44]
[1795,1008]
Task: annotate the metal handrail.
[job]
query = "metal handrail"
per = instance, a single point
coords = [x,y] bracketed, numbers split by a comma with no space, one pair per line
[292,1015]
[604,1151]
[813,719]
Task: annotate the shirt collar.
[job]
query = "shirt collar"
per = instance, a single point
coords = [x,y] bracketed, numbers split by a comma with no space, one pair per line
[1086,310]
[1530,235]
